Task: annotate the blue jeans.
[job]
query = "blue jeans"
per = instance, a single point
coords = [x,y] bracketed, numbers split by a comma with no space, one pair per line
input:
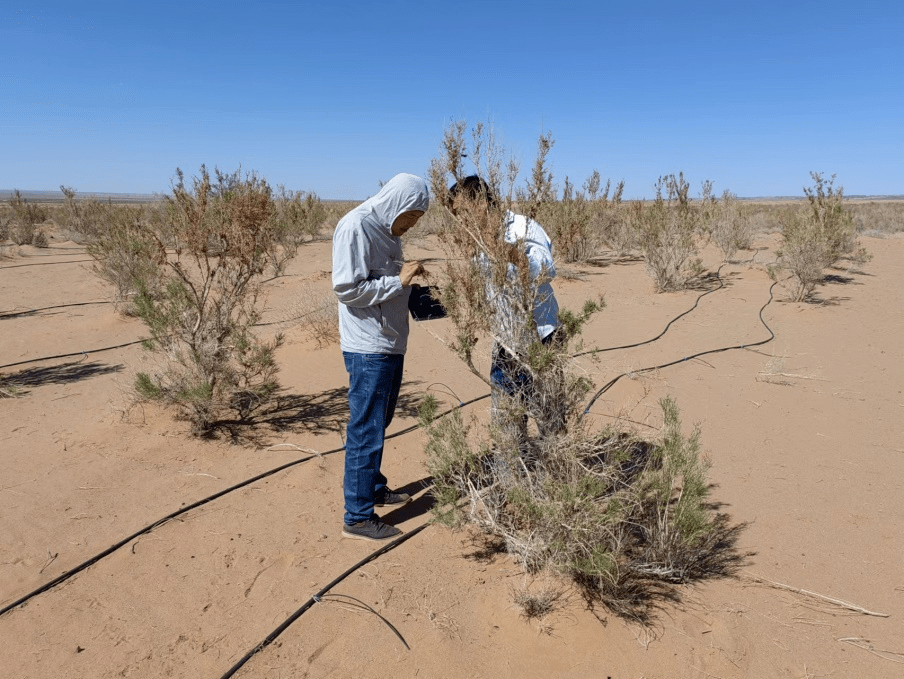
[373,389]
[508,375]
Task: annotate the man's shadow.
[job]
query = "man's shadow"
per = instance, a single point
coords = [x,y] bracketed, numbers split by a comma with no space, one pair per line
[417,507]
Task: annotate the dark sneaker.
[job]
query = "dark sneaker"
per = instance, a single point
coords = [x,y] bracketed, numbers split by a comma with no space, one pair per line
[393,498]
[372,529]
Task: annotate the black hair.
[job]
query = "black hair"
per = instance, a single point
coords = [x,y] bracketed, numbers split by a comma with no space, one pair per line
[473,187]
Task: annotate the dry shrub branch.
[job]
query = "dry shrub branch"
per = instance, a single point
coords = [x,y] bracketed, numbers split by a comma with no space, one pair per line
[623,518]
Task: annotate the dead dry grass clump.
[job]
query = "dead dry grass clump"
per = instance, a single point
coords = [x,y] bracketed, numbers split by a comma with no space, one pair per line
[315,313]
[624,519]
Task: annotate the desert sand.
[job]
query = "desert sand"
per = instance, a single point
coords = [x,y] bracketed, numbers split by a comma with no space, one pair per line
[805,434]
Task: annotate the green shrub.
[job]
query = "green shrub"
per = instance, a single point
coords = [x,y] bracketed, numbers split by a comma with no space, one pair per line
[196,269]
[816,237]
[617,515]
[20,228]
[668,233]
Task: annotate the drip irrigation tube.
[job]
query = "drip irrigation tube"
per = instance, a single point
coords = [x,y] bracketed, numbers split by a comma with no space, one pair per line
[611,382]
[77,353]
[665,330]
[71,261]
[26,312]
[314,598]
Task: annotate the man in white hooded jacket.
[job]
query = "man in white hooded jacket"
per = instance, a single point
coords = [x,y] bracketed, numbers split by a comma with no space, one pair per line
[373,285]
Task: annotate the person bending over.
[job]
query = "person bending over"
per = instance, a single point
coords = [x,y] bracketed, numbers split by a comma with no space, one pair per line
[373,285]
[508,374]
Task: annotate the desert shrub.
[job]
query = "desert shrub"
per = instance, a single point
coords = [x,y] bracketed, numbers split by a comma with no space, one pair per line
[611,512]
[608,218]
[296,217]
[21,227]
[124,254]
[583,222]
[200,302]
[731,227]
[82,218]
[816,236]
[878,218]
[668,232]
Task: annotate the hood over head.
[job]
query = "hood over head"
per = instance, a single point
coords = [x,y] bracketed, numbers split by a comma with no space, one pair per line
[402,193]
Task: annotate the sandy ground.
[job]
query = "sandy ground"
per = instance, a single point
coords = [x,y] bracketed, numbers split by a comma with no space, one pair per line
[806,436]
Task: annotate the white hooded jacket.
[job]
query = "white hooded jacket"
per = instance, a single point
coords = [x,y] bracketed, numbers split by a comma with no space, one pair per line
[367,260]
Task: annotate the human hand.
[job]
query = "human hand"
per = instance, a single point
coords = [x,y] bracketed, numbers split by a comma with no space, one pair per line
[409,271]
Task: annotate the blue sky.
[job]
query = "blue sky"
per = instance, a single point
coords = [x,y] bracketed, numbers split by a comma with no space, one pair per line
[333,97]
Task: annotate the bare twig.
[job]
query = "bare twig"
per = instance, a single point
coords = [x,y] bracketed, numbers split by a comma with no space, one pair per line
[869,648]
[844,604]
[292,445]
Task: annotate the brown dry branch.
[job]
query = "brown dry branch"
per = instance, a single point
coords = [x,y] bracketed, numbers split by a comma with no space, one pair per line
[838,602]
[867,645]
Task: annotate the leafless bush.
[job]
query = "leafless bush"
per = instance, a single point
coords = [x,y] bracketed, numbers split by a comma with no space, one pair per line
[201,317]
[815,237]
[618,515]
[668,232]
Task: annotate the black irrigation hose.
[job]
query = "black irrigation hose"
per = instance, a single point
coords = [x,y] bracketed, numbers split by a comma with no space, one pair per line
[665,330]
[77,353]
[611,382]
[310,602]
[26,312]
[147,529]
[71,261]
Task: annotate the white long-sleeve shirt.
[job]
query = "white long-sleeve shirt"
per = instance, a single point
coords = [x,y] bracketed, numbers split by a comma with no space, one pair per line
[538,248]
[367,260]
